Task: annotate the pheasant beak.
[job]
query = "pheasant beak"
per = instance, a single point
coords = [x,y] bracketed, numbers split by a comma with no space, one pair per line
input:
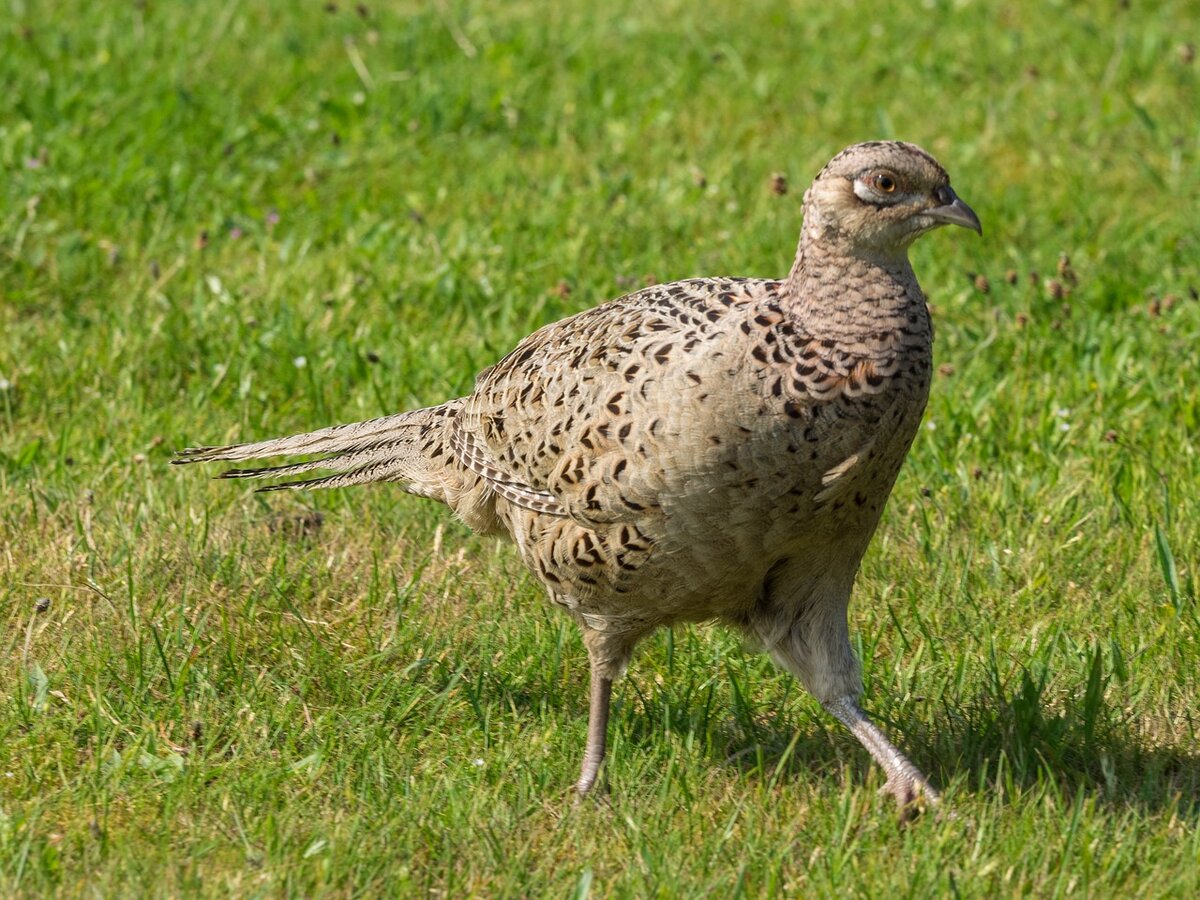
[953,211]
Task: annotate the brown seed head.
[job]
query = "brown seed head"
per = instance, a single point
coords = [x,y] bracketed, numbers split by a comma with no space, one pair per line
[1065,270]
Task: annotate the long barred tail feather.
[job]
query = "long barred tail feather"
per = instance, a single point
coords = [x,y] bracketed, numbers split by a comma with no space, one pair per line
[324,440]
[395,469]
[389,448]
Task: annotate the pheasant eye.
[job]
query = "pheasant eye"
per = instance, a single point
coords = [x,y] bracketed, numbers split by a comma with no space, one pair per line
[883,182]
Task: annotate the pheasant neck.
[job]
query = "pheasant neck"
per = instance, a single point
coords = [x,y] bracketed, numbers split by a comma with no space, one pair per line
[844,295]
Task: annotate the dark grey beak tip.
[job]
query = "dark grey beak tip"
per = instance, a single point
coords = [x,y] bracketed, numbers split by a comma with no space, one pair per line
[955,212]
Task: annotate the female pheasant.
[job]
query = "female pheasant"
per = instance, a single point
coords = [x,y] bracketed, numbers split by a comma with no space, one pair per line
[716,448]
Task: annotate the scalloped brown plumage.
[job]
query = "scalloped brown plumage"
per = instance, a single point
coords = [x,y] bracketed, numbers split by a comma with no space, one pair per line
[716,448]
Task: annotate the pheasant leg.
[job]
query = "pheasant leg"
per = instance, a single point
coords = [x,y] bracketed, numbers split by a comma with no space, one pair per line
[593,753]
[904,780]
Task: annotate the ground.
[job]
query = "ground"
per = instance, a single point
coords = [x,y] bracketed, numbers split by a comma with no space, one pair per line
[236,220]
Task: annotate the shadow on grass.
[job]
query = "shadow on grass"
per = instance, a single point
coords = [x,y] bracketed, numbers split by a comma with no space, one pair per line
[993,740]
[1015,734]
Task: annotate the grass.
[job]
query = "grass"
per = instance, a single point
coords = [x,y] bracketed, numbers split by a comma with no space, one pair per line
[237,220]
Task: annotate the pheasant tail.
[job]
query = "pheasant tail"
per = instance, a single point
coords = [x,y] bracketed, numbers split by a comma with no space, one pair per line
[409,447]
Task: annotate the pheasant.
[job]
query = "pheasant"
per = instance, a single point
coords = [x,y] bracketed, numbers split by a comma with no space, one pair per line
[710,449]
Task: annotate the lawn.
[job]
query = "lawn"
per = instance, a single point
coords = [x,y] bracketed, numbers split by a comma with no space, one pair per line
[236,220]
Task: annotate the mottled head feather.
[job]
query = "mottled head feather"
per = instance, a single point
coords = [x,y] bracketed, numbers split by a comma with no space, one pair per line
[870,154]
